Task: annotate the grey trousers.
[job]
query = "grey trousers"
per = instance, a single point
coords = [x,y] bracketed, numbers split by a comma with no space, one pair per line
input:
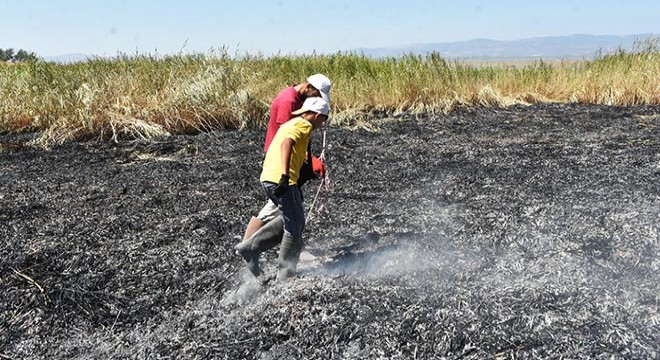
[291,206]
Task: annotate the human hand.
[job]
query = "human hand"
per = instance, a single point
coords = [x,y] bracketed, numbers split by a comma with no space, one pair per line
[318,166]
[282,187]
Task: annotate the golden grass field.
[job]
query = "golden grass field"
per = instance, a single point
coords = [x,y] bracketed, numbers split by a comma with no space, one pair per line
[148,96]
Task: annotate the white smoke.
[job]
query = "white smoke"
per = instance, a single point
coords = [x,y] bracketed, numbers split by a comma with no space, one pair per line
[248,289]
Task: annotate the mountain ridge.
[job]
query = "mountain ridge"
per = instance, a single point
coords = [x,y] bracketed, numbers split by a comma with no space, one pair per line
[566,47]
[575,46]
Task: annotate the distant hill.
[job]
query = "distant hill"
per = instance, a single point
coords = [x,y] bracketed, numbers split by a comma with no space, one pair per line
[67,58]
[555,47]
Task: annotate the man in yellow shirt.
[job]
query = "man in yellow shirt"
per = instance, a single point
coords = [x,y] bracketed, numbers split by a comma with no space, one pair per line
[288,100]
[279,177]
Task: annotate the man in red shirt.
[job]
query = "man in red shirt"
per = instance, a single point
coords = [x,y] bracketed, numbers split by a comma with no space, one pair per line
[287,101]
[291,99]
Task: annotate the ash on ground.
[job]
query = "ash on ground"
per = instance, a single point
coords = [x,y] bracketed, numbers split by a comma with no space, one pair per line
[524,232]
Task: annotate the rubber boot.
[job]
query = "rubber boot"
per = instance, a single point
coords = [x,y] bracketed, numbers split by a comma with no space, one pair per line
[288,257]
[265,238]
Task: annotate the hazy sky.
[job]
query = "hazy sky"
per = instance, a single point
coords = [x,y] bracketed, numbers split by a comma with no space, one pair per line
[104,27]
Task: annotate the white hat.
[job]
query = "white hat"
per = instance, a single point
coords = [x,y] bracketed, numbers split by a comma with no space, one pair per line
[322,84]
[315,104]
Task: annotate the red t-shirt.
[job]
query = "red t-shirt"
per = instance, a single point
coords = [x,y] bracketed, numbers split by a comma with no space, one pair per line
[286,102]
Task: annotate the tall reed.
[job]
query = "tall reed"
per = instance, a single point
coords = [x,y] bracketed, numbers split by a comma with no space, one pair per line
[149,96]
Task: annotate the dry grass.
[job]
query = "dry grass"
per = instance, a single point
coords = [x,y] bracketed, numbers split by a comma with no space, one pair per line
[144,96]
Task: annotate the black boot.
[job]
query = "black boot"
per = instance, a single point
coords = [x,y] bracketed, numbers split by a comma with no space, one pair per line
[263,239]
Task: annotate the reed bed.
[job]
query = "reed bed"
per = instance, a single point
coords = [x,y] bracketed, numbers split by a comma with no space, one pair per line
[145,96]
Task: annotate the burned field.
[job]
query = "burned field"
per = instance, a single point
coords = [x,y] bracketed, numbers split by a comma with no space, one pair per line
[491,233]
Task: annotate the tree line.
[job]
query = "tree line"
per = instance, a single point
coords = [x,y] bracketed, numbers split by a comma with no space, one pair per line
[17,56]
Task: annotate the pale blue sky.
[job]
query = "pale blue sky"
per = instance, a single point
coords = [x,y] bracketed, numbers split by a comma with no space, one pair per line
[104,27]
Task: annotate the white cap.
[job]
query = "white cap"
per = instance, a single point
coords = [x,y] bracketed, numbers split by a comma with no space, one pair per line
[322,84]
[315,104]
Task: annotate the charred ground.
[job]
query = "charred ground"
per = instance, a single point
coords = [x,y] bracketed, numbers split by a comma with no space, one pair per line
[526,231]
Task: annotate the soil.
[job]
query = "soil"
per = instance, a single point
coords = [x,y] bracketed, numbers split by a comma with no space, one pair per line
[521,232]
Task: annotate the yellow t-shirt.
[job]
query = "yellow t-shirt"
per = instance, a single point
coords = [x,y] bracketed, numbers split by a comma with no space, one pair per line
[297,129]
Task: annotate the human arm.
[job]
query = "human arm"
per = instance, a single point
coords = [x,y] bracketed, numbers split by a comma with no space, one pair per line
[285,150]
[283,112]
